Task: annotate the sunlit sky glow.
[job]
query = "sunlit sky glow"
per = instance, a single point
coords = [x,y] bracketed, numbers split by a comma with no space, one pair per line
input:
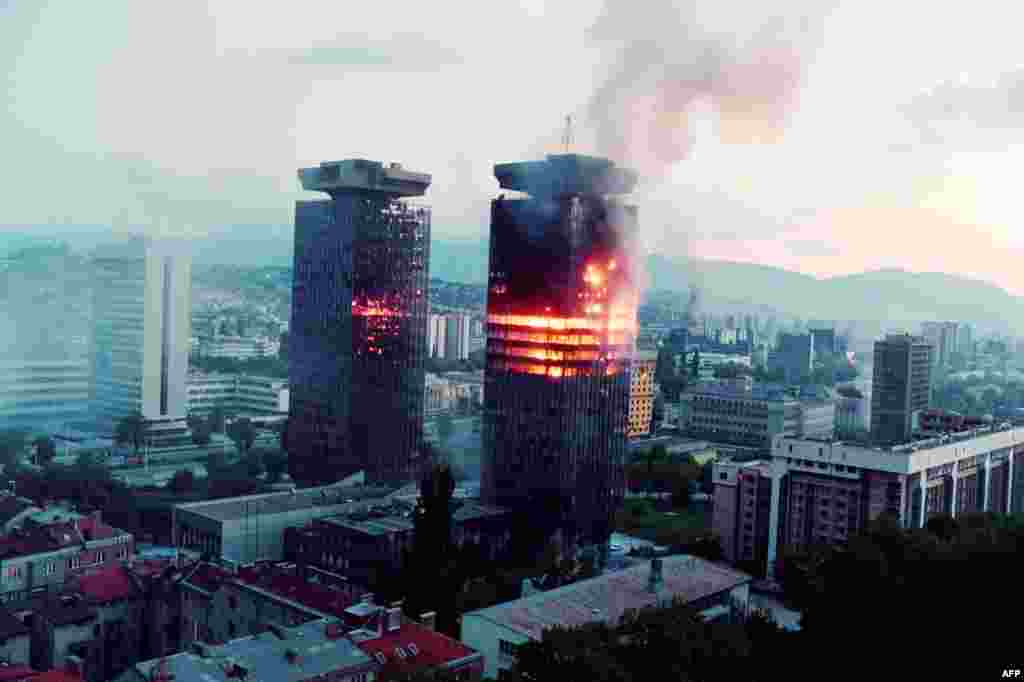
[194,116]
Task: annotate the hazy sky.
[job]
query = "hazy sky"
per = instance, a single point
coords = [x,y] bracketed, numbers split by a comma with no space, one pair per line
[894,130]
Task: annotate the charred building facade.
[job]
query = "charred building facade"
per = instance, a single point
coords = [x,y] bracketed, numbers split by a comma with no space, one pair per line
[561,329]
[359,324]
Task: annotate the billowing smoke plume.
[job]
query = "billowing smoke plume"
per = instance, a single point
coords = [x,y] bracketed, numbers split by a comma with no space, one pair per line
[668,56]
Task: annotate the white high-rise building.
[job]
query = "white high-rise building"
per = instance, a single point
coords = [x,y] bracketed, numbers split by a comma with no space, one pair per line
[457,337]
[142,325]
[435,336]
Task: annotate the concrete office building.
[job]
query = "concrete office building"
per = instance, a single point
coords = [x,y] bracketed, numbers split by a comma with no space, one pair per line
[853,415]
[900,387]
[251,528]
[142,293]
[641,393]
[751,415]
[824,490]
[45,342]
[358,339]
[561,320]
[237,394]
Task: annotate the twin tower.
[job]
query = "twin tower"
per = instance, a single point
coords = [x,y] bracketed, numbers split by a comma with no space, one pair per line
[561,329]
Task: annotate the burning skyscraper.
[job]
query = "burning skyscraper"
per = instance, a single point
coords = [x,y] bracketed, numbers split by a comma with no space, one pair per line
[358,336]
[561,329]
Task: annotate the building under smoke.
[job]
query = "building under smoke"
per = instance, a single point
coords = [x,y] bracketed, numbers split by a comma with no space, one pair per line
[561,327]
[358,334]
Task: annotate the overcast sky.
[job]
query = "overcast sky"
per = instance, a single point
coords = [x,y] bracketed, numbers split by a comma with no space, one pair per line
[890,134]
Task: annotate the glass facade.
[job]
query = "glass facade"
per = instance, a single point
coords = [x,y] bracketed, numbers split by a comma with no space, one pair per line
[561,327]
[358,337]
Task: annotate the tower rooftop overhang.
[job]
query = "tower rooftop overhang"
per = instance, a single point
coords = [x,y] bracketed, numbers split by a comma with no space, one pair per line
[566,174]
[361,175]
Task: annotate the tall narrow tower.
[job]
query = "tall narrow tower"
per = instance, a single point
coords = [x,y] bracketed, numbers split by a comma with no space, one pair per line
[358,336]
[561,328]
[142,323]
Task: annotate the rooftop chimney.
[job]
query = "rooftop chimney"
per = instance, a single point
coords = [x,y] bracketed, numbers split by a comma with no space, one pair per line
[429,620]
[655,582]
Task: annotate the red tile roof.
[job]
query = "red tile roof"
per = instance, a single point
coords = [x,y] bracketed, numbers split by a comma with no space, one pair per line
[54,536]
[106,584]
[15,673]
[209,577]
[57,676]
[434,649]
[313,595]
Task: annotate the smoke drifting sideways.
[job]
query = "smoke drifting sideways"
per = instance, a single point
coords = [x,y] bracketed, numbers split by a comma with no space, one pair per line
[668,56]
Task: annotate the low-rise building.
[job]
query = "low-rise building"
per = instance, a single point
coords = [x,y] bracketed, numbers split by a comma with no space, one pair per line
[311,652]
[40,558]
[221,602]
[716,591]
[237,394]
[251,528]
[752,416]
[370,543]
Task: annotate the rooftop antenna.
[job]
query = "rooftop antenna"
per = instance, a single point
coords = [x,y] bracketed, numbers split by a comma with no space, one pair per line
[567,135]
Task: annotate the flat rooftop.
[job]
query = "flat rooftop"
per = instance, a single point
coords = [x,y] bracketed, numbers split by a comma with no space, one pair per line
[566,174]
[236,508]
[398,517]
[361,175]
[609,596]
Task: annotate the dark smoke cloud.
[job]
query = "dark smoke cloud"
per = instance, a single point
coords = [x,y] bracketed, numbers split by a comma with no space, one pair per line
[666,56]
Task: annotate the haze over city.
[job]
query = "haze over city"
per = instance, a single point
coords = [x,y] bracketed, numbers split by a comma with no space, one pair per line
[193,116]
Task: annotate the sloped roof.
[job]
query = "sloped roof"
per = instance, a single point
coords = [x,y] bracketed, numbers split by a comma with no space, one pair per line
[608,597]
[432,649]
[106,584]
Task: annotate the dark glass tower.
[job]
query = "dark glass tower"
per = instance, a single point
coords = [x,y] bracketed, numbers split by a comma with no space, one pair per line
[561,328]
[357,344]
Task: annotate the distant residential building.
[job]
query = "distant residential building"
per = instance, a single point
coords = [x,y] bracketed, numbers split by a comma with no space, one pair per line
[751,415]
[853,415]
[824,342]
[237,394]
[901,386]
[251,528]
[717,592]
[436,328]
[237,347]
[641,393]
[142,321]
[453,392]
[708,362]
[965,340]
[456,336]
[944,338]
[794,356]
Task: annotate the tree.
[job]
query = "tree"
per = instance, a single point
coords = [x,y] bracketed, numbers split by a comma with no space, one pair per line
[276,464]
[437,583]
[46,451]
[242,433]
[201,433]
[254,461]
[131,430]
[182,482]
[216,419]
